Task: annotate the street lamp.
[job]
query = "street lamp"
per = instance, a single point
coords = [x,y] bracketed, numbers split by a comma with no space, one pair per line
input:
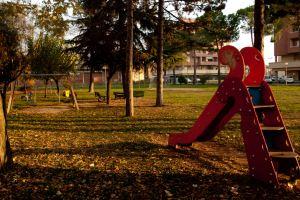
[105,76]
[286,75]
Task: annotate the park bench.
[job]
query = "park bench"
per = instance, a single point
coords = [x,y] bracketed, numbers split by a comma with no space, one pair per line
[100,97]
[119,95]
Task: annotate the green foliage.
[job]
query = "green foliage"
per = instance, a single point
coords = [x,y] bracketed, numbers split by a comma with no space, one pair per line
[52,16]
[48,56]
[194,6]
[247,18]
[204,79]
[278,9]
[170,61]
[282,14]
[12,61]
[102,40]
[219,28]
[182,79]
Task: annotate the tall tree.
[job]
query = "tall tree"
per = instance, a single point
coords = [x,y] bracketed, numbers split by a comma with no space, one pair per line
[102,35]
[50,61]
[247,18]
[52,16]
[12,64]
[160,67]
[219,29]
[129,61]
[259,8]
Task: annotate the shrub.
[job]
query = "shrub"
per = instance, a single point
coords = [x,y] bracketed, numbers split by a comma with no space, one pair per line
[182,79]
[203,79]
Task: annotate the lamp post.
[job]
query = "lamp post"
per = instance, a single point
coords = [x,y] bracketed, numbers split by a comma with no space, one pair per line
[105,76]
[286,74]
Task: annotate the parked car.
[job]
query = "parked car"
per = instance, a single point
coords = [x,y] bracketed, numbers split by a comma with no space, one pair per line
[274,78]
[268,79]
[285,79]
[188,80]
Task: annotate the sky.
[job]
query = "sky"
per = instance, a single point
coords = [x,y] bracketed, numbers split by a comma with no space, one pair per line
[245,40]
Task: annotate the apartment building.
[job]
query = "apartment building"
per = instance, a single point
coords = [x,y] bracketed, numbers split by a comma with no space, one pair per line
[287,54]
[206,63]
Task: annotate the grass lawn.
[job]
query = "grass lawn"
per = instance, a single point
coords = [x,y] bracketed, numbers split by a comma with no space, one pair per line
[97,153]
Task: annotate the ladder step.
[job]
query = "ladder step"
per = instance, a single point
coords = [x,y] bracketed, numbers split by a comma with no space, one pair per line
[264,106]
[253,86]
[270,128]
[283,154]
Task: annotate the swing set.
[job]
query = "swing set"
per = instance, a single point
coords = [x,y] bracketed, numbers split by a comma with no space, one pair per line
[32,95]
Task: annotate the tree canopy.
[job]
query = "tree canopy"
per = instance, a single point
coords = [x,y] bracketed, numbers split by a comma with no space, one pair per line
[48,56]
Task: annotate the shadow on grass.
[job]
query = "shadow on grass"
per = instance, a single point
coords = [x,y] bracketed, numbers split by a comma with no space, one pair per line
[158,125]
[142,149]
[24,182]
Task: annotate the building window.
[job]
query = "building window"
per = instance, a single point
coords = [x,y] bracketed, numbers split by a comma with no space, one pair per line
[203,59]
[295,42]
[210,59]
[215,59]
[296,28]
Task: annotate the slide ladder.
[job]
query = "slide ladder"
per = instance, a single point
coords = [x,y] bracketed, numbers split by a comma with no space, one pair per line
[267,144]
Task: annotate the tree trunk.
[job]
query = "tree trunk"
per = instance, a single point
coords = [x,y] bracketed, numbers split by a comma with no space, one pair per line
[91,83]
[46,88]
[124,81]
[57,85]
[195,69]
[251,34]
[6,160]
[219,65]
[174,76]
[108,89]
[159,85]
[129,60]
[11,97]
[259,25]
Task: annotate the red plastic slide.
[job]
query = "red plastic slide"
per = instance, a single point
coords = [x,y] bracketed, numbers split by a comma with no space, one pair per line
[267,144]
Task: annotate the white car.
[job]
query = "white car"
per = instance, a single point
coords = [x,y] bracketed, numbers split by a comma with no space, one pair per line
[268,79]
[285,79]
[188,80]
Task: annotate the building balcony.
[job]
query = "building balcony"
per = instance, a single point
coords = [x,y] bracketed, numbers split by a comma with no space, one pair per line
[202,54]
[190,71]
[282,65]
[215,63]
[202,63]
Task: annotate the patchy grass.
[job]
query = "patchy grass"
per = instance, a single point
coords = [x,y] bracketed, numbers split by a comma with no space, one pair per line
[96,153]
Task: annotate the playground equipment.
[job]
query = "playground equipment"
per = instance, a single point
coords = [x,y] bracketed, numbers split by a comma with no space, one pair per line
[267,144]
